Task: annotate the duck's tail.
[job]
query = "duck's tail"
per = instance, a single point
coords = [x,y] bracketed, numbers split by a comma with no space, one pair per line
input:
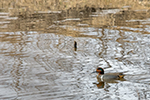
[121,75]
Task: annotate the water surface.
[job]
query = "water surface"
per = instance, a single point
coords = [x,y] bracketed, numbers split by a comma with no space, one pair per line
[38,60]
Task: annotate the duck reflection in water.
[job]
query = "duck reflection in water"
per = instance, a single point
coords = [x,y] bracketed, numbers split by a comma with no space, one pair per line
[103,78]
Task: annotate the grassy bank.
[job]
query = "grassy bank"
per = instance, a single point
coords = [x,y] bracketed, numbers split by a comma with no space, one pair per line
[30,6]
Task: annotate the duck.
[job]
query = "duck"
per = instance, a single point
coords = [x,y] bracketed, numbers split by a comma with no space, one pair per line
[102,77]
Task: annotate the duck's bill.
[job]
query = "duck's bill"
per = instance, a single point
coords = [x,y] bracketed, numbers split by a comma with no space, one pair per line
[95,72]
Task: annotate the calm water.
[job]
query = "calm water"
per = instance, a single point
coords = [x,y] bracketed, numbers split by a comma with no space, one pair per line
[42,65]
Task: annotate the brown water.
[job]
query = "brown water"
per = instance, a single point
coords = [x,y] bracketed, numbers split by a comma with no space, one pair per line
[38,60]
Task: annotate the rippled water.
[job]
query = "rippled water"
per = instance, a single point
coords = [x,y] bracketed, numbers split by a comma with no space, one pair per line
[42,65]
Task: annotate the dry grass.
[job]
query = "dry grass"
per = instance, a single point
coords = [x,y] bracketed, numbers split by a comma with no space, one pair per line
[30,6]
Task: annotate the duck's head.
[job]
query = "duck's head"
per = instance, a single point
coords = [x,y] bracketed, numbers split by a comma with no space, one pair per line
[99,70]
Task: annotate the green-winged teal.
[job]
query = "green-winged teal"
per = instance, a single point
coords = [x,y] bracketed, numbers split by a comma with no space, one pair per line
[107,76]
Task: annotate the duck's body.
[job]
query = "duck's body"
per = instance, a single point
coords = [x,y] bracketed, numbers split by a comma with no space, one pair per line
[108,76]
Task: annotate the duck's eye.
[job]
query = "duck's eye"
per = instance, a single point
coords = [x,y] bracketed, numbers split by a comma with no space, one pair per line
[99,68]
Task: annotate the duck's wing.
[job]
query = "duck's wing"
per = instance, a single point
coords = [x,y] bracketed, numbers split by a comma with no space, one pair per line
[115,75]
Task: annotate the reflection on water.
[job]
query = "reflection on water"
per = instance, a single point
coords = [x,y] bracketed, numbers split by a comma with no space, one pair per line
[46,65]
[75,46]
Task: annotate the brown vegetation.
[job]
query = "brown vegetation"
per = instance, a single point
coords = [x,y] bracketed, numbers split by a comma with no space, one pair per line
[30,6]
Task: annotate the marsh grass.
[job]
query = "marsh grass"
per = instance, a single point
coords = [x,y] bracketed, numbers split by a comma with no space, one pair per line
[16,7]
